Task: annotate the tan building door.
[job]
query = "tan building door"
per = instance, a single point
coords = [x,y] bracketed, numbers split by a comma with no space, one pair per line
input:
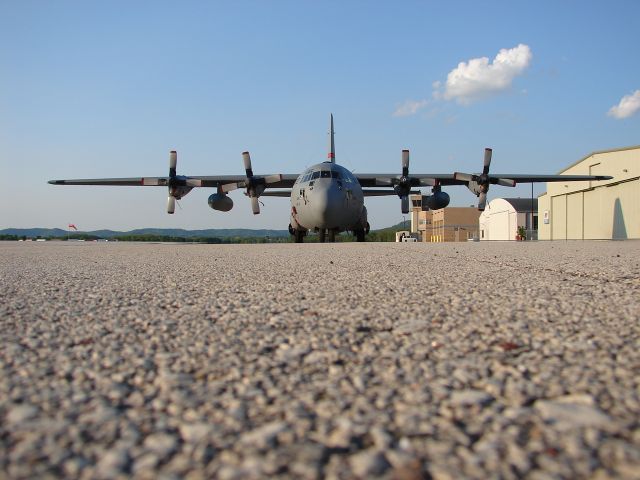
[559,217]
[593,227]
[575,202]
[624,202]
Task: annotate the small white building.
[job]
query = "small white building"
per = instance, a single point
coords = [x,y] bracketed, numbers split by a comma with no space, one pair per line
[502,217]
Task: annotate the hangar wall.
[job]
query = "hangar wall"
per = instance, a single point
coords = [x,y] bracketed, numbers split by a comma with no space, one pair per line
[594,210]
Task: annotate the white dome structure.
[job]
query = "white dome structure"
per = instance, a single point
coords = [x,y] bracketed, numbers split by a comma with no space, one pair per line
[502,217]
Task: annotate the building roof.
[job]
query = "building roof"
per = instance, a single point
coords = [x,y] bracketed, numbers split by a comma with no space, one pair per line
[598,152]
[522,204]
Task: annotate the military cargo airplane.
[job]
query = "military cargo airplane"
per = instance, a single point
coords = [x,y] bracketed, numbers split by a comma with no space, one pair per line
[327,198]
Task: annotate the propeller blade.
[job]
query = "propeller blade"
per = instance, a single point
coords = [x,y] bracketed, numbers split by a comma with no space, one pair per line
[482,200]
[487,161]
[405,163]
[255,205]
[465,177]
[173,163]
[272,178]
[505,182]
[171,204]
[246,158]
[404,203]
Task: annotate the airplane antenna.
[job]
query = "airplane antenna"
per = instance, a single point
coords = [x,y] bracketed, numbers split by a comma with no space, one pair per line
[332,146]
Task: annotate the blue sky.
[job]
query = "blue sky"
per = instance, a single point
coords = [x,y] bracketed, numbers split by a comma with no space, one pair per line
[91,89]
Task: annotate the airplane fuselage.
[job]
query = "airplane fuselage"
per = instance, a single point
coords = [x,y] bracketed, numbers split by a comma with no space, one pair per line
[327,197]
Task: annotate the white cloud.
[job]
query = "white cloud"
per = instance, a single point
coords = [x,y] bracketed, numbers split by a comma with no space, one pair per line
[410,107]
[629,105]
[478,78]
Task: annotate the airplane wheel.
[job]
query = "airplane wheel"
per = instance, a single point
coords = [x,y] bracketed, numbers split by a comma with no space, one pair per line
[298,236]
[322,235]
[359,235]
[332,236]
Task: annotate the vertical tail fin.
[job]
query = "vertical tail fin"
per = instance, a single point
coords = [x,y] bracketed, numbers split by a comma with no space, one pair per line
[332,147]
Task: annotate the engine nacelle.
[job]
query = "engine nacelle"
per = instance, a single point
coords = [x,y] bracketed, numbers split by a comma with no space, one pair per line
[436,201]
[220,201]
[179,191]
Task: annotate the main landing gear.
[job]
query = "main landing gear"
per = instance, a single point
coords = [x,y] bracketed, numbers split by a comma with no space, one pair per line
[359,234]
[327,235]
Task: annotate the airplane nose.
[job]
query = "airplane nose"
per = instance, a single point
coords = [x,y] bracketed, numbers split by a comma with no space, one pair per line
[321,200]
[328,205]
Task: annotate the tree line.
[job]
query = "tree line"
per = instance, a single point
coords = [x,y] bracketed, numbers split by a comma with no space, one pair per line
[384,235]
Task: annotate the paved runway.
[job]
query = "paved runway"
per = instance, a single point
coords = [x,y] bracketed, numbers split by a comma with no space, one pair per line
[320,360]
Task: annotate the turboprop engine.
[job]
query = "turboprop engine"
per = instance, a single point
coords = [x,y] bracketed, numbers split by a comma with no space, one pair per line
[438,199]
[220,201]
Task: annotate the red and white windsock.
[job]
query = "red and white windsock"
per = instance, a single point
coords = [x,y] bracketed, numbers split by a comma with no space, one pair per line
[71,225]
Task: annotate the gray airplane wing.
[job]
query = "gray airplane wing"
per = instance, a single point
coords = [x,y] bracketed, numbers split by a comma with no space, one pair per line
[276,193]
[285,181]
[391,179]
[525,178]
[372,192]
[430,179]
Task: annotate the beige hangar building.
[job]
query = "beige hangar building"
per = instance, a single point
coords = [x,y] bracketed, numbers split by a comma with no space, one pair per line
[594,210]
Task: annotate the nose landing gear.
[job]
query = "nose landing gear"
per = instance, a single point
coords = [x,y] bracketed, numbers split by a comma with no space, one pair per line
[298,235]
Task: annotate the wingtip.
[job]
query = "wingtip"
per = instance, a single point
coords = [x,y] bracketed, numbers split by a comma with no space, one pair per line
[56,182]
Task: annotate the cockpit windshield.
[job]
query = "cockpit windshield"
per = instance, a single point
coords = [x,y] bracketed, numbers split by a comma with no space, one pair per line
[320,174]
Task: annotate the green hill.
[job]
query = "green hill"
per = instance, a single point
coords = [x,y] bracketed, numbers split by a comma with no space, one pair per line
[225,235]
[166,232]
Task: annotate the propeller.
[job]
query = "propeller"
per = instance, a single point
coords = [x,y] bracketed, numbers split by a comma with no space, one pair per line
[255,185]
[479,183]
[178,185]
[173,164]
[403,184]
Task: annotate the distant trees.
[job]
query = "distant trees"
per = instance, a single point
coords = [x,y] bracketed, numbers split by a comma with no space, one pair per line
[384,235]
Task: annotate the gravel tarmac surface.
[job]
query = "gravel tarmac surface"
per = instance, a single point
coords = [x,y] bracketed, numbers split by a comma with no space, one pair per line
[399,361]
